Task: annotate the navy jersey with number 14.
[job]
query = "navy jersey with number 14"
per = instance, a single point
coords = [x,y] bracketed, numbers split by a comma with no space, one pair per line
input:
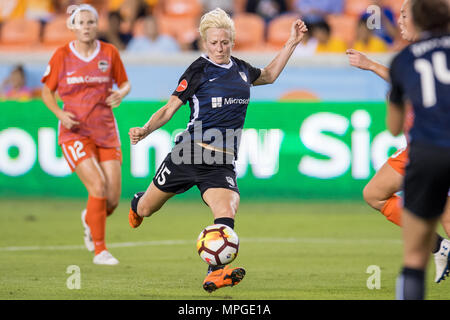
[421,75]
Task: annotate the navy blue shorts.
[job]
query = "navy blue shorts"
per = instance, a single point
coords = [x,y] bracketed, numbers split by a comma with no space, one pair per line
[427,180]
[178,178]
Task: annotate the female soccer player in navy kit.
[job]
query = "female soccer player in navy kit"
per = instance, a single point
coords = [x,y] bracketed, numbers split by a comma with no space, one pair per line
[420,75]
[217,86]
[381,191]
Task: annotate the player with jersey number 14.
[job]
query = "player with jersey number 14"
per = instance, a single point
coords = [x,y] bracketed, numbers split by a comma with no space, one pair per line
[217,87]
[83,73]
[381,193]
[420,75]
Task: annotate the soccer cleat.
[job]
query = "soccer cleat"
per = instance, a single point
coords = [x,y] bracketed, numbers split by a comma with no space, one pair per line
[442,261]
[224,277]
[134,219]
[105,258]
[88,242]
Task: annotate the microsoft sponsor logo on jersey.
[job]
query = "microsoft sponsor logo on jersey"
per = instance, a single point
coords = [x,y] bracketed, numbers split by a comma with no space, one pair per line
[87,79]
[217,102]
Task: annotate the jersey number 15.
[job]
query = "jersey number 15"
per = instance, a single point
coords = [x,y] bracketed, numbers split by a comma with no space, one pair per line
[428,70]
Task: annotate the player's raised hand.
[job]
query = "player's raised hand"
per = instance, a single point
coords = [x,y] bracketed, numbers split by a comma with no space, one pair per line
[136,134]
[114,99]
[68,119]
[358,59]
[298,31]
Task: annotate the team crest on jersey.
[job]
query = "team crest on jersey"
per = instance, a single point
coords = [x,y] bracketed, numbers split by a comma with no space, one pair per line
[243,76]
[182,86]
[103,65]
[230,181]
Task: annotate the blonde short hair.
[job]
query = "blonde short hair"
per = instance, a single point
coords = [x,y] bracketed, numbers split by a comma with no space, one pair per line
[216,18]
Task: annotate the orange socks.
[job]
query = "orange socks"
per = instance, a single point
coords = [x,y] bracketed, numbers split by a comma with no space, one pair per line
[392,210]
[96,220]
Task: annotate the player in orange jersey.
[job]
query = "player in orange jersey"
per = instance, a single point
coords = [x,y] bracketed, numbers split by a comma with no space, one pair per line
[380,192]
[83,73]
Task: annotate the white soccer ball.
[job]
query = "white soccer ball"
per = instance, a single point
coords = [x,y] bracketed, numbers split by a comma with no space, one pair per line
[218,245]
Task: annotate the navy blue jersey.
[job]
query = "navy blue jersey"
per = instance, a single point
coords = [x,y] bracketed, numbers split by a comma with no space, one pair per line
[420,74]
[218,96]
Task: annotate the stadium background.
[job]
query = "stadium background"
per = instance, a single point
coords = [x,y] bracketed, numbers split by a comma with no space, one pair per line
[321,125]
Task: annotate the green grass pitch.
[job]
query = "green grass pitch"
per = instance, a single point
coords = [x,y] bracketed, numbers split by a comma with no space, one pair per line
[291,251]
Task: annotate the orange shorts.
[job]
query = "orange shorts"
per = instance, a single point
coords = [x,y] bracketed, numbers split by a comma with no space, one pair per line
[76,151]
[399,160]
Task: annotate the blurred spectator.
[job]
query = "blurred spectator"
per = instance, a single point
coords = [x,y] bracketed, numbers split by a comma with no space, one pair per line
[267,9]
[326,43]
[196,45]
[388,28]
[132,10]
[136,6]
[313,11]
[366,41]
[113,34]
[40,10]
[12,9]
[100,5]
[60,6]
[227,5]
[151,40]
[14,86]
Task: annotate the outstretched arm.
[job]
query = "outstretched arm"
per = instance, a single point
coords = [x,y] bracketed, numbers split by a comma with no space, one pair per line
[271,72]
[157,120]
[361,61]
